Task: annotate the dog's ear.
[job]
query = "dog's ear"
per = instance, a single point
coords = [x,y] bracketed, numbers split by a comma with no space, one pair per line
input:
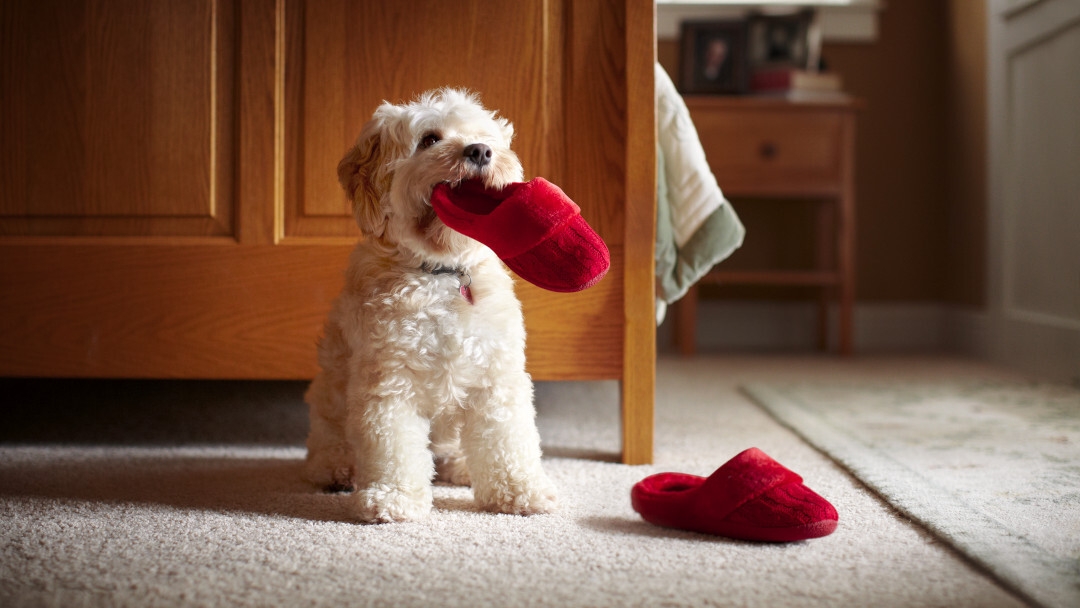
[507,128]
[363,174]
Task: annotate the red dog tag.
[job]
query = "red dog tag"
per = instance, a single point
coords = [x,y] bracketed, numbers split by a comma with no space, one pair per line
[466,293]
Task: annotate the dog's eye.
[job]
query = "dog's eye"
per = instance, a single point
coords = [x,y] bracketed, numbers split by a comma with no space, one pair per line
[428,140]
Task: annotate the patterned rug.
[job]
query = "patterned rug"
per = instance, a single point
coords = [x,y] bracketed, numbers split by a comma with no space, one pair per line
[992,469]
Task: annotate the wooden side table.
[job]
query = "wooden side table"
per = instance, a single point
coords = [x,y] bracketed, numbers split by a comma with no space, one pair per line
[777,148]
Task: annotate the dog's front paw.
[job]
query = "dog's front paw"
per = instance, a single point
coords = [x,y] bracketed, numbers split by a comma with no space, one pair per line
[530,498]
[384,504]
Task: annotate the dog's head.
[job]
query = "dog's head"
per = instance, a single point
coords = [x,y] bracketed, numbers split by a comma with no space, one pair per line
[405,150]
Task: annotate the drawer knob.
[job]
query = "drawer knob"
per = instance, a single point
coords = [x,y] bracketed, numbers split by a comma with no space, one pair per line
[768,150]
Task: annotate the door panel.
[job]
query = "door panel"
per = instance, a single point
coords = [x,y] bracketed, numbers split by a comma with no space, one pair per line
[122,119]
[1044,173]
[1034,253]
[340,72]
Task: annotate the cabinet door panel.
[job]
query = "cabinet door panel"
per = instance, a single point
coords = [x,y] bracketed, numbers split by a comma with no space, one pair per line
[346,57]
[169,203]
[117,118]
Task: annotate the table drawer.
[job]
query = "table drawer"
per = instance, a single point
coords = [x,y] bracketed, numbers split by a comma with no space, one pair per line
[772,152]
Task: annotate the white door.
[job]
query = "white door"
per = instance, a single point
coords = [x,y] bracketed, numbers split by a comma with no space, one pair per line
[1034,185]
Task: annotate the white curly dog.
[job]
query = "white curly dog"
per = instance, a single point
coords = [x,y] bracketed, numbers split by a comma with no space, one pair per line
[423,354]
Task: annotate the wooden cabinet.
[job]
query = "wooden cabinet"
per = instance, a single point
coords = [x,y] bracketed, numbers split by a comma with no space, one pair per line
[760,147]
[169,204]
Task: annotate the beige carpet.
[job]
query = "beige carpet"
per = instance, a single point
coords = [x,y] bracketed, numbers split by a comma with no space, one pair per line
[172,493]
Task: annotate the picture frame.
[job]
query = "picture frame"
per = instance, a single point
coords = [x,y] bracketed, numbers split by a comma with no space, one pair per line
[781,41]
[714,57]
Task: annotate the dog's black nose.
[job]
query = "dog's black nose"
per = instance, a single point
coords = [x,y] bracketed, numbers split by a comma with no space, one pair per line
[478,154]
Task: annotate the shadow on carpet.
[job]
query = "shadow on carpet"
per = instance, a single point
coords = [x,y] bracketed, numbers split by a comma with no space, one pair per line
[153,412]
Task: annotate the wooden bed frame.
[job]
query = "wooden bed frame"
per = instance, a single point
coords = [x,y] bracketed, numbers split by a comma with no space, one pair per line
[181,218]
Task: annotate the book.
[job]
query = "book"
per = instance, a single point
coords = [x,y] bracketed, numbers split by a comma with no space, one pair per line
[778,80]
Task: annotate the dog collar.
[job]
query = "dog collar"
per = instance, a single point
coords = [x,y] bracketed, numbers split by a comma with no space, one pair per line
[464,278]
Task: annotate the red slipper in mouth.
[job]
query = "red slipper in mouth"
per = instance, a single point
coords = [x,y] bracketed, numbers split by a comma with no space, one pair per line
[750,497]
[532,226]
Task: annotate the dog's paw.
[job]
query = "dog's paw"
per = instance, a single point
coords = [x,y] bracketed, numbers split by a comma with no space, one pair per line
[452,469]
[526,499]
[385,504]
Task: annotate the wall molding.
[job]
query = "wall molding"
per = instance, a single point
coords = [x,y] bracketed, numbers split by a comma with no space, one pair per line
[761,326]
[728,326]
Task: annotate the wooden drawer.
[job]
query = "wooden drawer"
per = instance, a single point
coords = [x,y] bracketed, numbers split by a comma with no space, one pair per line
[771,151]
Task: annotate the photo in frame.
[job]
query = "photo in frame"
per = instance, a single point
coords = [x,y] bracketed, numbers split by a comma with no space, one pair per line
[782,41]
[714,57]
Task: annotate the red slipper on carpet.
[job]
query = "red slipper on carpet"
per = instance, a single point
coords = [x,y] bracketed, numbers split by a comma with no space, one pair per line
[532,226]
[750,497]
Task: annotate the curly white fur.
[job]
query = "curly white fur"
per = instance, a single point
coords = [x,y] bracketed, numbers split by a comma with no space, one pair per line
[411,369]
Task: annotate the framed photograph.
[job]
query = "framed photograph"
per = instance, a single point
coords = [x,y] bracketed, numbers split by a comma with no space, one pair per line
[781,41]
[714,57]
